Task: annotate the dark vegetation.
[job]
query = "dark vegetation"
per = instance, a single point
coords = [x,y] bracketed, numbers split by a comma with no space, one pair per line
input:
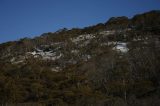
[109,78]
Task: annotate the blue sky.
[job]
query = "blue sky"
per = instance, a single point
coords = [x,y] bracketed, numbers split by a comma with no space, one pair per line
[29,18]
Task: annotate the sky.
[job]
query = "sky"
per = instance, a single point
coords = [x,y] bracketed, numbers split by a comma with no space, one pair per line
[30,18]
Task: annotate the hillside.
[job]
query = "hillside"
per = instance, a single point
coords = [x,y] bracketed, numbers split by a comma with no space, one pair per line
[116,63]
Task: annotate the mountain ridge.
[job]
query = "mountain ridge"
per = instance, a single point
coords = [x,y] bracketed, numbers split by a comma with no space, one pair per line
[99,24]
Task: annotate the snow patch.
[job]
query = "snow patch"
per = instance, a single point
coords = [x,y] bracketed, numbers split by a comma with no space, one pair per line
[109,32]
[46,55]
[82,37]
[55,69]
[75,51]
[121,46]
